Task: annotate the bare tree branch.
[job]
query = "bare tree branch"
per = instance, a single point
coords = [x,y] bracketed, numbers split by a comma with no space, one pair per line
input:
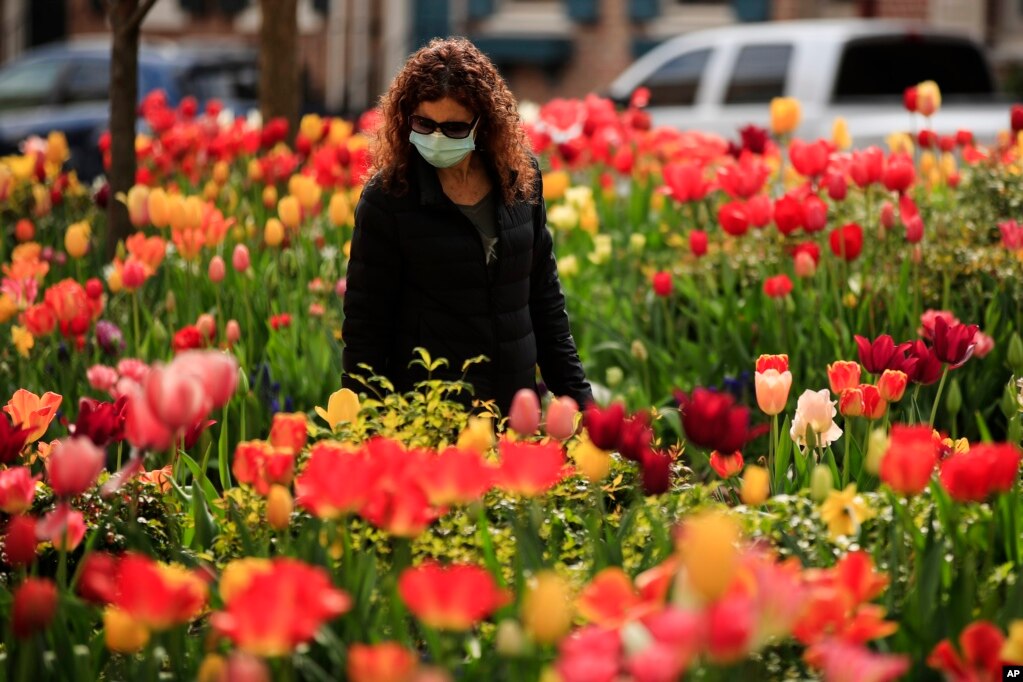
[135,20]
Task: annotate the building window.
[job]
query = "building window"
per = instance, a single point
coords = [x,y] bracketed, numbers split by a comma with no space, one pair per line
[677,81]
[759,75]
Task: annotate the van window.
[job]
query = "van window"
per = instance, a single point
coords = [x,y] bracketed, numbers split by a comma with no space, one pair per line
[759,74]
[88,81]
[676,81]
[880,68]
[30,83]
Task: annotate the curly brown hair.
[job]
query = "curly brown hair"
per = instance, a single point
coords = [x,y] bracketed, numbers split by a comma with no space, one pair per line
[455,68]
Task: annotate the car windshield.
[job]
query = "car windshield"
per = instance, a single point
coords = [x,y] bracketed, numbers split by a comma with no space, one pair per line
[30,83]
[875,69]
[226,81]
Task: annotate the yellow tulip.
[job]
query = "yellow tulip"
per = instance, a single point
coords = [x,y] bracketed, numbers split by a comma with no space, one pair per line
[279,505]
[785,115]
[138,205]
[123,633]
[340,210]
[176,217]
[928,98]
[340,131]
[568,266]
[8,308]
[273,233]
[114,282]
[555,184]
[159,208]
[22,339]
[221,172]
[709,553]
[593,463]
[1012,650]
[478,435]
[343,406]
[290,212]
[311,128]
[840,134]
[57,151]
[255,170]
[210,190]
[928,162]
[269,196]
[193,212]
[212,669]
[546,608]
[41,202]
[76,239]
[900,142]
[756,485]
[305,189]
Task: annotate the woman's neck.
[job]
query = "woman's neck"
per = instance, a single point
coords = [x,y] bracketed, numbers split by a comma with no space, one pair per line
[461,171]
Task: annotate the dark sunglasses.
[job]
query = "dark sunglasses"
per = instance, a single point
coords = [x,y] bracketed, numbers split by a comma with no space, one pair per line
[456,130]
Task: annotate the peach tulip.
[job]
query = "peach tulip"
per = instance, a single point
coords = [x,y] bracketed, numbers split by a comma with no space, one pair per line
[240,258]
[772,389]
[524,415]
[217,270]
[74,465]
[29,411]
[561,414]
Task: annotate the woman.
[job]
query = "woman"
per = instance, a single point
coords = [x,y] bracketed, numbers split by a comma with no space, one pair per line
[451,250]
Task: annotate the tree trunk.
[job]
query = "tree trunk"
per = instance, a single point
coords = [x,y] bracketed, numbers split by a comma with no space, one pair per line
[124,67]
[278,62]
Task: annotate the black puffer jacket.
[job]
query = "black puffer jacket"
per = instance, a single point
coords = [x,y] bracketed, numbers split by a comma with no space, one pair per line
[418,277]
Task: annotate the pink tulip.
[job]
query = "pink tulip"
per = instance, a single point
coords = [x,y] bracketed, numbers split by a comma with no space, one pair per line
[176,398]
[206,325]
[341,288]
[64,527]
[141,427]
[217,270]
[524,416]
[17,490]
[804,265]
[240,258]
[215,371]
[74,465]
[102,377]
[233,332]
[134,369]
[561,417]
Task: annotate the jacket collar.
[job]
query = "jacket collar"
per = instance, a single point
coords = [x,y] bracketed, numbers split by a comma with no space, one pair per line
[430,190]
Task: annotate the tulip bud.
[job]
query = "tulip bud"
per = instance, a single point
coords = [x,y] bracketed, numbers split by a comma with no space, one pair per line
[613,376]
[561,414]
[24,230]
[339,210]
[510,640]
[240,258]
[290,212]
[877,446]
[279,505]
[269,196]
[76,239]
[524,416]
[592,462]
[206,325]
[35,602]
[850,402]
[804,265]
[1014,354]
[756,485]
[821,483]
[639,351]
[888,215]
[954,398]
[123,633]
[546,608]
[133,275]
[158,332]
[232,332]
[892,385]
[217,270]
[273,233]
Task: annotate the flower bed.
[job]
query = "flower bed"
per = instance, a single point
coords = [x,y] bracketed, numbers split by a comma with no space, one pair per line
[803,462]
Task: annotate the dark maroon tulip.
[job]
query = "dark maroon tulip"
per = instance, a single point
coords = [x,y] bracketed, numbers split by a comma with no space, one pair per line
[713,421]
[634,439]
[656,472]
[102,423]
[923,366]
[194,431]
[12,440]
[954,343]
[878,355]
[604,424]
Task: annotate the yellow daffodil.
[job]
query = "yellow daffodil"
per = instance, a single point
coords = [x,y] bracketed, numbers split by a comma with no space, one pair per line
[23,340]
[844,511]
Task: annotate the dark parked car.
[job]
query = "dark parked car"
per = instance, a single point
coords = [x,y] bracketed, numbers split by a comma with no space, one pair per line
[64,86]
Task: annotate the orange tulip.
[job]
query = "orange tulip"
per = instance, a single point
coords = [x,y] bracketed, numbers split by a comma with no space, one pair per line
[29,411]
[844,374]
[384,662]
[454,597]
[289,431]
[892,385]
[260,464]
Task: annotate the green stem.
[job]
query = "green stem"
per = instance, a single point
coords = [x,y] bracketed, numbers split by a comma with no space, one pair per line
[937,398]
[135,323]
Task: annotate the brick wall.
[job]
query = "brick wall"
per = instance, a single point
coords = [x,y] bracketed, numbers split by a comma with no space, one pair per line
[904,9]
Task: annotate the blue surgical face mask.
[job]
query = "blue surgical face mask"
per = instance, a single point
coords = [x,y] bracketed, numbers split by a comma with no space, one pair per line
[441,151]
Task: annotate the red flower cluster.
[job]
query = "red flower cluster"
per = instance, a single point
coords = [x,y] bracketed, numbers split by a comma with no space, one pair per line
[609,429]
[984,470]
[713,421]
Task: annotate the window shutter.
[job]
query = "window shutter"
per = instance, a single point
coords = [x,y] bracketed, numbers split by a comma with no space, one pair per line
[644,10]
[583,11]
[752,10]
[430,19]
[480,9]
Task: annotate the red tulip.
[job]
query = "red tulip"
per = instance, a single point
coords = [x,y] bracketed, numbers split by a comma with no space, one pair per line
[74,465]
[656,472]
[383,662]
[698,242]
[847,241]
[336,480]
[887,216]
[1016,117]
[922,366]
[261,465]
[892,385]
[524,415]
[899,173]
[843,375]
[63,527]
[289,432]
[867,166]
[20,541]
[954,344]
[981,645]
[775,362]
[98,578]
[685,182]
[810,249]
[815,214]
[102,423]
[662,284]
[733,218]
[984,470]
[35,602]
[810,159]
[604,425]
[713,421]
[909,99]
[964,138]
[788,214]
[778,286]
[457,476]
[730,626]
[837,186]
[17,490]
[914,229]
[636,435]
[12,439]
[530,469]
[561,414]
[743,179]
[452,597]
[728,465]
[909,460]
[927,138]
[760,210]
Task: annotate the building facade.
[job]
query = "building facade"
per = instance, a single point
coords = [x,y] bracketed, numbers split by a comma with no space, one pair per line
[350,49]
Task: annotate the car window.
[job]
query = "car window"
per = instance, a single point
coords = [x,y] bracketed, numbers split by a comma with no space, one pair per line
[881,68]
[759,74]
[30,83]
[225,81]
[676,81]
[88,81]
